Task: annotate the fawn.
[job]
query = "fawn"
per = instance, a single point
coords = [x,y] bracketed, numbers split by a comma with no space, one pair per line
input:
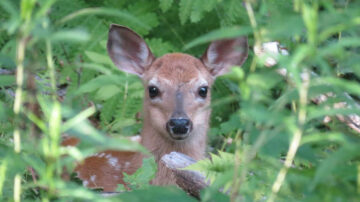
[176,104]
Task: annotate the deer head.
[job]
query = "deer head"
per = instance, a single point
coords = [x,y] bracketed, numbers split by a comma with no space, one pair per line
[176,104]
[177,86]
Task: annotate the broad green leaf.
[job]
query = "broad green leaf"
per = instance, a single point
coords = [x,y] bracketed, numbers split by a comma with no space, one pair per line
[27,8]
[70,36]
[106,92]
[97,67]
[100,81]
[107,12]
[321,137]
[98,58]
[78,119]
[229,32]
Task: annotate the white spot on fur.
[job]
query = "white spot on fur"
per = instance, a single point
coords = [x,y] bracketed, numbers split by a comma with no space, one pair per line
[85,183]
[201,82]
[114,162]
[92,178]
[100,155]
[127,164]
[135,138]
[156,81]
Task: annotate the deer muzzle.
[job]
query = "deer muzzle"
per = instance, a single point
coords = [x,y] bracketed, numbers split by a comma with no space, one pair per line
[179,128]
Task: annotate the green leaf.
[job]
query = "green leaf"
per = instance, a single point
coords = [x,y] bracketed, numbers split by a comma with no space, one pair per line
[100,81]
[27,8]
[327,168]
[322,137]
[165,5]
[107,112]
[141,178]
[342,84]
[213,167]
[185,10]
[7,62]
[7,80]
[200,7]
[96,67]
[229,32]
[105,11]
[70,35]
[158,194]
[107,92]
[160,47]
[98,58]
[78,119]
[9,7]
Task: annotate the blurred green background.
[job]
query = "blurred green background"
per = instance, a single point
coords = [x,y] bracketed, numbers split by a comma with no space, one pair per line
[66,84]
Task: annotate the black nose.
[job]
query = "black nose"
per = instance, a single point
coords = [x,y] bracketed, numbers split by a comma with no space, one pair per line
[179,126]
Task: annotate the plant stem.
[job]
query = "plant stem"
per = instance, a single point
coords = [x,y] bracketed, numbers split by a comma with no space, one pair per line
[51,68]
[17,188]
[358,178]
[236,183]
[54,127]
[19,91]
[253,22]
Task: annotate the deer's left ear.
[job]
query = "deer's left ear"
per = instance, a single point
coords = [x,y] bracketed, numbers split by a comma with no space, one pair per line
[223,54]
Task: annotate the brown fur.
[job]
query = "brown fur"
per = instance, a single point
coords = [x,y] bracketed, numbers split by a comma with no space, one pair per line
[105,169]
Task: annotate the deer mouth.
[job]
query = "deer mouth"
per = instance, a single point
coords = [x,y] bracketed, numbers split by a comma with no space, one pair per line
[179,129]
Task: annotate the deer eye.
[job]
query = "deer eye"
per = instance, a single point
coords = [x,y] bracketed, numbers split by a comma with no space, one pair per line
[153,91]
[203,91]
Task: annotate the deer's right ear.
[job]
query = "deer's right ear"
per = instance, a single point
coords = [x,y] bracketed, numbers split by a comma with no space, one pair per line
[128,50]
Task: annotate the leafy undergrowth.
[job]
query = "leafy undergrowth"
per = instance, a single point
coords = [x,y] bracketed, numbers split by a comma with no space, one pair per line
[270,139]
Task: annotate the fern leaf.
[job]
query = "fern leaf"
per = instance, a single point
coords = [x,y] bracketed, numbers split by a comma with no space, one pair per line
[218,164]
[165,5]
[199,9]
[160,47]
[185,10]
[107,111]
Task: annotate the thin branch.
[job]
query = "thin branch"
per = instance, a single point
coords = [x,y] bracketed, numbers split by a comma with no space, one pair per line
[190,181]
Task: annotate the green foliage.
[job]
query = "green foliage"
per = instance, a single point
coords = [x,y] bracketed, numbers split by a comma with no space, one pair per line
[165,4]
[161,194]
[212,168]
[256,113]
[141,178]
